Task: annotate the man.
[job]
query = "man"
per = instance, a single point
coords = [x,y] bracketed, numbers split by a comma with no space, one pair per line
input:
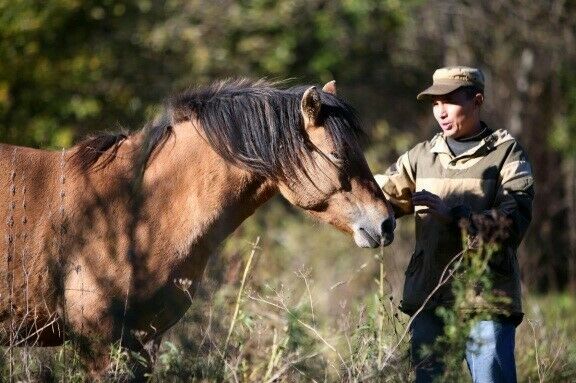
[465,169]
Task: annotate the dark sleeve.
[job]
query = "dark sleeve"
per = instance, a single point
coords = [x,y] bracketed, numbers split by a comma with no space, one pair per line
[513,198]
[516,192]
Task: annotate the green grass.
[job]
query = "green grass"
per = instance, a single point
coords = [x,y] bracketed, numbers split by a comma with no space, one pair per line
[313,308]
[545,341]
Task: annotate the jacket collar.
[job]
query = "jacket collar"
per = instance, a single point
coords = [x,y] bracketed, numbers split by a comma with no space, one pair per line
[489,143]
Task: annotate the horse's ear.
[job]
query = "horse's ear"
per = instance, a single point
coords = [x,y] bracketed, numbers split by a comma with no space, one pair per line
[330,87]
[310,106]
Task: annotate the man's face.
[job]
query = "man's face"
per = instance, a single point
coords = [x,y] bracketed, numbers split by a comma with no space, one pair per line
[457,114]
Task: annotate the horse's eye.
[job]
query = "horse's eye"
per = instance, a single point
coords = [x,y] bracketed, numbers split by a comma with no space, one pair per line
[337,159]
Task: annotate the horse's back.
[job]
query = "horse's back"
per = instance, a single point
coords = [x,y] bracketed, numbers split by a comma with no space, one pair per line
[25,167]
[29,181]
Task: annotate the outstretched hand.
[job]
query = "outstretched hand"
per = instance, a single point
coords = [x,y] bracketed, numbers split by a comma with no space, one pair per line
[434,205]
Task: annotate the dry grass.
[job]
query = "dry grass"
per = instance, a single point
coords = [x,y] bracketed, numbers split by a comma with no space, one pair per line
[289,308]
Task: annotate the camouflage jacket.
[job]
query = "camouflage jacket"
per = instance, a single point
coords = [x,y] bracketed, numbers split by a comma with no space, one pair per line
[495,174]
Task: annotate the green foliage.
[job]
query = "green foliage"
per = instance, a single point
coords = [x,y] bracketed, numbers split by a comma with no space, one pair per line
[27,364]
[545,347]
[386,144]
[169,359]
[474,301]
[298,336]
[174,364]
[69,67]
[314,40]
[67,364]
[563,134]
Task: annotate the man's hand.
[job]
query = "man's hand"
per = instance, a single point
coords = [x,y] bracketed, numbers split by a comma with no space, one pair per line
[434,205]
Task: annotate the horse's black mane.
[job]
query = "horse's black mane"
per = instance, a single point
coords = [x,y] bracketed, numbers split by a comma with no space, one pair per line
[249,123]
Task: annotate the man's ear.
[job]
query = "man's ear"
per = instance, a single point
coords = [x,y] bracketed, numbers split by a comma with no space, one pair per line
[310,106]
[479,99]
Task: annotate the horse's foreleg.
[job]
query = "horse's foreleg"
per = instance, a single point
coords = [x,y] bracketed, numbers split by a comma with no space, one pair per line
[143,366]
[121,364]
[151,348]
[98,362]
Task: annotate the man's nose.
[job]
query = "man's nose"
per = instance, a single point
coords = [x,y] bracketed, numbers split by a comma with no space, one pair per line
[443,112]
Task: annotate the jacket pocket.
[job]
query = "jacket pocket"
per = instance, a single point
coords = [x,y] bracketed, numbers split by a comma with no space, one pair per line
[415,283]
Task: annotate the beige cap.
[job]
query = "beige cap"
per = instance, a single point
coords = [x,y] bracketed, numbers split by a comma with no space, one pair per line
[446,80]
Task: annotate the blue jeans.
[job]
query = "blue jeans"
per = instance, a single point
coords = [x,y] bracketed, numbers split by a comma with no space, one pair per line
[489,352]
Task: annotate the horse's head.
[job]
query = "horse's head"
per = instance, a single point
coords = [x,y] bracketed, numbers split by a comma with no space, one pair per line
[334,182]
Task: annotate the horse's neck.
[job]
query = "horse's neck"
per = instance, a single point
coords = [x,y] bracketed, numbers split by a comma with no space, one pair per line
[198,198]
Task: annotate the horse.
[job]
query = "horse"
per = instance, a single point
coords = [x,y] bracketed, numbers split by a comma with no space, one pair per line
[96,236]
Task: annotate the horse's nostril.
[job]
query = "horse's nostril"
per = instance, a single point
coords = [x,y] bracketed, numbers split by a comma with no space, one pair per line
[387,226]
[387,239]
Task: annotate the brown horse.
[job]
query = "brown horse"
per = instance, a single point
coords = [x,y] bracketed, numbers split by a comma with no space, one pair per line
[96,236]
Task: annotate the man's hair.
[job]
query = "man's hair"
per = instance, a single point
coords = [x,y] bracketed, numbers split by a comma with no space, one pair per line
[471,90]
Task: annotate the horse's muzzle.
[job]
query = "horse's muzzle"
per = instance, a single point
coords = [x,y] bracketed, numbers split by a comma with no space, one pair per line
[365,236]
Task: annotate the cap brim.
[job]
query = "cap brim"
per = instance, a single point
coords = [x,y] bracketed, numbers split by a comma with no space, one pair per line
[438,90]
